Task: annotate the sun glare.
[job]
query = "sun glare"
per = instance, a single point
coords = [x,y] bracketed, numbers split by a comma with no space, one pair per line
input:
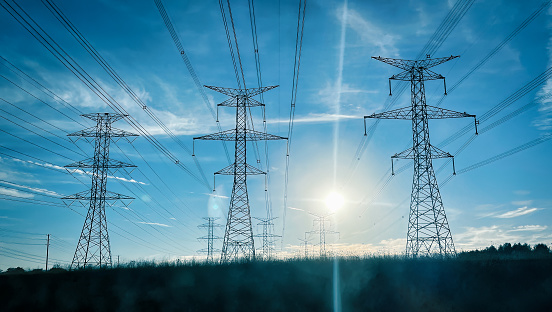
[334,201]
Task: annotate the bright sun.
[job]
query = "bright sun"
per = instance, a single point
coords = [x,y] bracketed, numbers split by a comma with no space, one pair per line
[334,201]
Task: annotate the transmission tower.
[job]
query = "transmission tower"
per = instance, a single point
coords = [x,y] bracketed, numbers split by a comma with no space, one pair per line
[305,242]
[321,219]
[428,229]
[93,248]
[210,226]
[238,236]
[267,236]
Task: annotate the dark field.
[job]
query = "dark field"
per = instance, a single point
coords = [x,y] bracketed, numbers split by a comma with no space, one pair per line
[470,282]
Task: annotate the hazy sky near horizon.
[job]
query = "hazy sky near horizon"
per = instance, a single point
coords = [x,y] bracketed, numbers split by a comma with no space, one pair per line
[508,200]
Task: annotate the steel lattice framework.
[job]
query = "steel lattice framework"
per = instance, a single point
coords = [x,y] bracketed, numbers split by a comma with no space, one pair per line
[428,228]
[93,248]
[267,237]
[238,236]
[210,238]
[321,219]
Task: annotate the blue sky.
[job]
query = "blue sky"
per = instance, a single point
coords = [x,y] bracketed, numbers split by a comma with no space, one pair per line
[508,200]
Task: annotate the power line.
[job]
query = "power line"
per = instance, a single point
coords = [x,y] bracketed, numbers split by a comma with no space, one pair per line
[195,78]
[103,63]
[496,49]
[51,45]
[40,87]
[447,25]
[295,84]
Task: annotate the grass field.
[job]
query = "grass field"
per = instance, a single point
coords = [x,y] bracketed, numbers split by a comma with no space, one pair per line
[474,281]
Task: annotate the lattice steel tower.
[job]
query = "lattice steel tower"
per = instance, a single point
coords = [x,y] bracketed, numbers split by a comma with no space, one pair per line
[267,237]
[321,219]
[210,238]
[428,228]
[238,236]
[93,248]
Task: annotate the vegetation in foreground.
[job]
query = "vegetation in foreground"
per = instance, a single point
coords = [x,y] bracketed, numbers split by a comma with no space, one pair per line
[509,278]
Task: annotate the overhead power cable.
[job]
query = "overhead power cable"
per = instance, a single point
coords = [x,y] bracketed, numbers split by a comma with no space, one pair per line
[496,49]
[113,74]
[294,87]
[493,111]
[39,86]
[445,28]
[39,34]
[500,156]
[254,36]
[195,78]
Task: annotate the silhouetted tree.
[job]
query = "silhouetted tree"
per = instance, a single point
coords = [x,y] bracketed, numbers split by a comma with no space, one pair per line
[541,249]
[491,249]
[520,249]
[15,270]
[505,249]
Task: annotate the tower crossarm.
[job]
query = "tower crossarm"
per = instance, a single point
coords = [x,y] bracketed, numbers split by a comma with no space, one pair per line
[89,164]
[206,250]
[399,113]
[230,170]
[441,113]
[417,72]
[434,153]
[92,132]
[333,232]
[87,195]
[107,117]
[432,112]
[207,237]
[231,135]
[249,92]
[409,65]
[233,102]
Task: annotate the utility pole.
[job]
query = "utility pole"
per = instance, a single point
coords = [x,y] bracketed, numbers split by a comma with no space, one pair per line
[268,238]
[47,250]
[322,219]
[210,226]
[93,248]
[428,228]
[238,236]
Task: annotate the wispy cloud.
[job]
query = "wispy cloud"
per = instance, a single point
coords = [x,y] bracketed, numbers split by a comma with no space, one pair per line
[293,208]
[154,223]
[79,171]
[343,94]
[12,192]
[522,203]
[371,35]
[481,237]
[517,213]
[533,228]
[34,189]
[215,195]
[127,180]
[315,118]
[544,121]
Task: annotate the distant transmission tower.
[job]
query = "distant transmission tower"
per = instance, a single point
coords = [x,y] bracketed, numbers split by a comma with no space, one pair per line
[428,229]
[238,236]
[306,245]
[93,248]
[321,219]
[210,238]
[267,237]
